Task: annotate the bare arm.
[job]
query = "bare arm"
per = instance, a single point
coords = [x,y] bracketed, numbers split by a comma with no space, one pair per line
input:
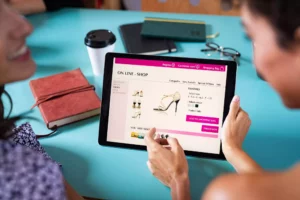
[180,189]
[242,162]
[28,6]
[112,4]
[235,129]
[71,193]
[169,165]
[263,186]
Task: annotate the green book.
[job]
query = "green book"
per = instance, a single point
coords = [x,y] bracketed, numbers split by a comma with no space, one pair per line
[176,29]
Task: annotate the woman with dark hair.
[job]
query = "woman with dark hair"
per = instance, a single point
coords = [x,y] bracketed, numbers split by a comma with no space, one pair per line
[26,171]
[274,27]
[29,173]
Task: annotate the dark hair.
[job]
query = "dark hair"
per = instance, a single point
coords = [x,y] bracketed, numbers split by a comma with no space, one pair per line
[284,16]
[6,124]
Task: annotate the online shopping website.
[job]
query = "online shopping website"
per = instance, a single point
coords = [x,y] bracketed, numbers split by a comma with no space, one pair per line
[181,100]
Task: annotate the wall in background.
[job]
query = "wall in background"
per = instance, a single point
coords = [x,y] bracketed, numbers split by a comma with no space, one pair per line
[210,7]
[213,7]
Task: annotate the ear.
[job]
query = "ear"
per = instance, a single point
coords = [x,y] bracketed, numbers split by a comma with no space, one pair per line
[297,35]
[297,39]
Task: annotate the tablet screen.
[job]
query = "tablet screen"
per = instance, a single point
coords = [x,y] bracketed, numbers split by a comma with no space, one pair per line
[181,100]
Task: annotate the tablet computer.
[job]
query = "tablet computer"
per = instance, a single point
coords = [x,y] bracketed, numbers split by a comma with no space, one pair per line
[184,98]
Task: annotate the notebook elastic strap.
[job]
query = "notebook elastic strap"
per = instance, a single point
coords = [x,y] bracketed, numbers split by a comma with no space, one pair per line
[45,98]
[212,36]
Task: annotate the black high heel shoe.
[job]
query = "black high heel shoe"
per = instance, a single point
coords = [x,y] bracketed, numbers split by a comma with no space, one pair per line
[176,98]
[134,103]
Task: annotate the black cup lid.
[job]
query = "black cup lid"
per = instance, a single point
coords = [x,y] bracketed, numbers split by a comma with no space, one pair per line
[100,38]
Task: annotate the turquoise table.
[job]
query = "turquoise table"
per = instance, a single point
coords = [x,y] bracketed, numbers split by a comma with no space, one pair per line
[112,173]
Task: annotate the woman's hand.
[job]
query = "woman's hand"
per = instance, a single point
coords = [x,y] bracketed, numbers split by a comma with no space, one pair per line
[235,129]
[168,164]
[27,6]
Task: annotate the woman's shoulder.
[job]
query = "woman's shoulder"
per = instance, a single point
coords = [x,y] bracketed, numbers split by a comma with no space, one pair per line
[27,174]
[12,153]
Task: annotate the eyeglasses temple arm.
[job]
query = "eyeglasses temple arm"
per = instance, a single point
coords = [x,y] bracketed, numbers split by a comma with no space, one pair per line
[212,36]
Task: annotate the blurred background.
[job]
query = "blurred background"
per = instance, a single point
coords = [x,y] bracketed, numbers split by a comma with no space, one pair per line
[210,7]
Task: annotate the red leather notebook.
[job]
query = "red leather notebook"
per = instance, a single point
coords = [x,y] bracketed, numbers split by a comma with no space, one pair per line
[65,98]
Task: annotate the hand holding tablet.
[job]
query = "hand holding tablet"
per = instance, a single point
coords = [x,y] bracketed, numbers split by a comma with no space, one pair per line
[169,164]
[183,98]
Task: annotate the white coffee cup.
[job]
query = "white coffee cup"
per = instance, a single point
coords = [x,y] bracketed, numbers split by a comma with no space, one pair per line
[98,43]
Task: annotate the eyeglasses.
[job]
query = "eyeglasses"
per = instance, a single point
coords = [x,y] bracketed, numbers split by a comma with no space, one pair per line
[226,51]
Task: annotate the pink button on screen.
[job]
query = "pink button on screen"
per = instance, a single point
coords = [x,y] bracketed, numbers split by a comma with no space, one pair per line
[210,129]
[201,119]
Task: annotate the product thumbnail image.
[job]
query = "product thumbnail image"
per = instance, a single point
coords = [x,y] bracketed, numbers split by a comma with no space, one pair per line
[137,114]
[137,104]
[138,93]
[137,135]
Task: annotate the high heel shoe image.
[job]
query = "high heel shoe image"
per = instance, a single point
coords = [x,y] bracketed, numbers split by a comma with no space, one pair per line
[134,103]
[139,104]
[137,115]
[176,98]
[141,93]
[136,93]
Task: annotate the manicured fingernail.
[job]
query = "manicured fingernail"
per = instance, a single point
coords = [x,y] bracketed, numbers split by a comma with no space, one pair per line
[236,98]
